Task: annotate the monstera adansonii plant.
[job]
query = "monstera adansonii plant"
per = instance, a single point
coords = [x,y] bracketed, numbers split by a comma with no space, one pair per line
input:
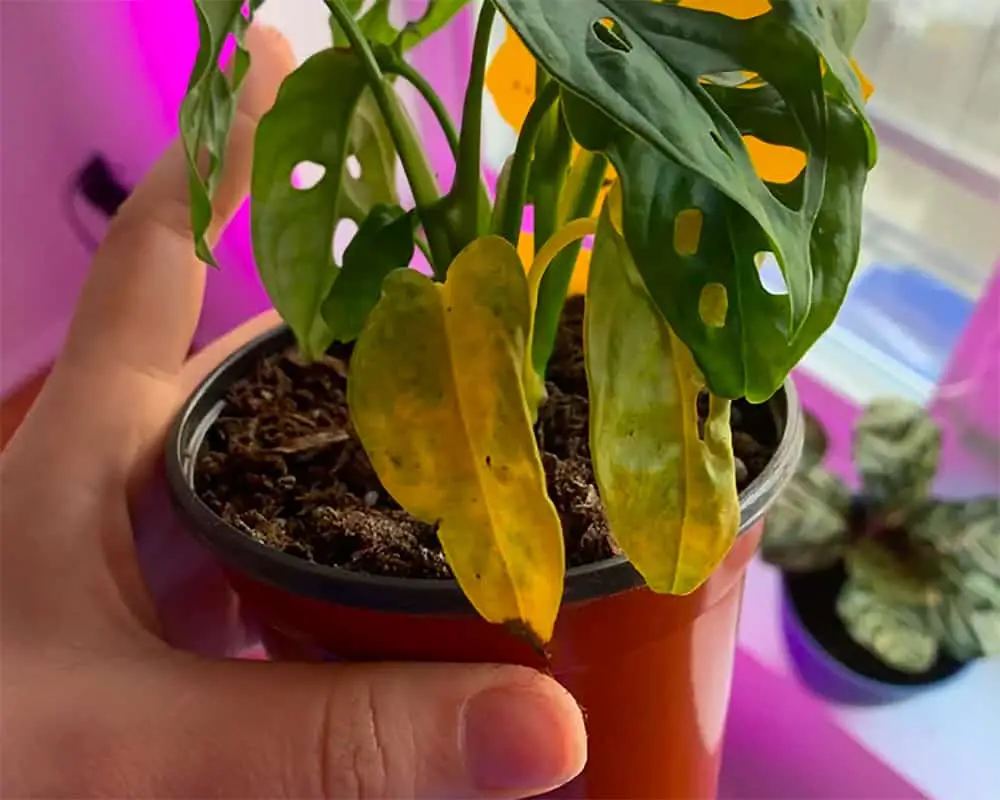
[447,370]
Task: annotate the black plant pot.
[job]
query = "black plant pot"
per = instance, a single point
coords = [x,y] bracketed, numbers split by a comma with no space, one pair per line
[829,661]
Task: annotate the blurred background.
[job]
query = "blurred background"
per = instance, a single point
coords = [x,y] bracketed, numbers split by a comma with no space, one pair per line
[90,91]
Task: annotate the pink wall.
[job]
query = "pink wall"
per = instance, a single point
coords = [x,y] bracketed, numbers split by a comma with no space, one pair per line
[81,76]
[969,393]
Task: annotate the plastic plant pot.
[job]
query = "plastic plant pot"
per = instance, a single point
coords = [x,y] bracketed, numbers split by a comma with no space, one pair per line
[652,672]
[829,662]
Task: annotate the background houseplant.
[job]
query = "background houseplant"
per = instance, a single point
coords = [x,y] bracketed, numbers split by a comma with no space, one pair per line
[899,587]
[451,438]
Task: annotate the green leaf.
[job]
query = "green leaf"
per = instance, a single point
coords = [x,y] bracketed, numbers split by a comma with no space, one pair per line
[669,492]
[900,636]
[815,445]
[965,631]
[339,37]
[293,228]
[968,531]
[806,528]
[208,108]
[370,143]
[668,160]
[897,447]
[846,18]
[378,28]
[383,243]
[986,624]
[444,419]
[898,579]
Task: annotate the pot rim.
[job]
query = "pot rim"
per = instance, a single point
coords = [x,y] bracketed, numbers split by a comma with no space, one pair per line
[393,594]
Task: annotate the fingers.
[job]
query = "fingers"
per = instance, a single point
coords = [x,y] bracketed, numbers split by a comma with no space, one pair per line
[141,302]
[207,359]
[379,731]
[143,297]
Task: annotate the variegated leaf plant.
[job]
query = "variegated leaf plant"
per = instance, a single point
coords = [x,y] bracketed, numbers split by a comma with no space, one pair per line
[923,574]
[730,127]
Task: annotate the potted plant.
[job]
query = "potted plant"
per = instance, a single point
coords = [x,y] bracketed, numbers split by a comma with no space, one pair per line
[408,466]
[890,589]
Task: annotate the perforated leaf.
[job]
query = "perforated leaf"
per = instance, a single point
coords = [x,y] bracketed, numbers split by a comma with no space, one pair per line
[293,227]
[209,105]
[629,68]
[900,636]
[897,447]
[383,243]
[436,396]
[806,528]
[422,20]
[669,493]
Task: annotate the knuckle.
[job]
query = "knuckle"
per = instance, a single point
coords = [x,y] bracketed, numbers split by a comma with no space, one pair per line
[364,748]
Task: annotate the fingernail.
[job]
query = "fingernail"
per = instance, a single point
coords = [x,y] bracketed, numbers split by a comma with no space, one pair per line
[522,739]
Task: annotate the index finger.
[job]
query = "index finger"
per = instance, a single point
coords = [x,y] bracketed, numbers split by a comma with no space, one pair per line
[140,305]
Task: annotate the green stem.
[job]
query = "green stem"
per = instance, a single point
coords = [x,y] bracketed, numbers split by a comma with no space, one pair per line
[582,188]
[472,201]
[405,70]
[548,173]
[520,168]
[418,171]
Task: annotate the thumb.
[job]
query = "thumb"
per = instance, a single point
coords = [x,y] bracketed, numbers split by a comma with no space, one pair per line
[371,731]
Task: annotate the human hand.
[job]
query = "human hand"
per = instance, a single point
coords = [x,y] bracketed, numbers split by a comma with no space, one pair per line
[95,701]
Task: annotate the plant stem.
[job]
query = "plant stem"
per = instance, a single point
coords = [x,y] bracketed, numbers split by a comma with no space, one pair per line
[472,201]
[548,173]
[520,168]
[418,172]
[405,70]
[580,193]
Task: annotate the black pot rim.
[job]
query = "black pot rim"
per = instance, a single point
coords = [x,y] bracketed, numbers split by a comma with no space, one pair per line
[391,594]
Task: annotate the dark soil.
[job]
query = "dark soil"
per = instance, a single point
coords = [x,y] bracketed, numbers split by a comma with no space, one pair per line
[813,597]
[283,464]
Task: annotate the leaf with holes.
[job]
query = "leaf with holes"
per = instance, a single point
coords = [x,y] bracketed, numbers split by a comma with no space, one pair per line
[447,428]
[208,108]
[293,228]
[901,637]
[806,528]
[610,54]
[378,27]
[669,490]
[383,243]
[370,143]
[897,447]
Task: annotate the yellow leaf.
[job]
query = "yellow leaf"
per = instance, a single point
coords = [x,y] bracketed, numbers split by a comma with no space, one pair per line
[436,396]
[578,283]
[670,495]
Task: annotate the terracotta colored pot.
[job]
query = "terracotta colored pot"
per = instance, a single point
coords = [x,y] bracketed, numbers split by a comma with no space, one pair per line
[651,672]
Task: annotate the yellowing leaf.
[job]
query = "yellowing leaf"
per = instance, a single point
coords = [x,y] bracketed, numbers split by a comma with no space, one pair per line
[436,396]
[578,284]
[669,494]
